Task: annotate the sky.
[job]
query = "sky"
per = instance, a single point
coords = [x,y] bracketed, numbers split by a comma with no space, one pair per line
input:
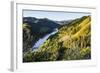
[57,16]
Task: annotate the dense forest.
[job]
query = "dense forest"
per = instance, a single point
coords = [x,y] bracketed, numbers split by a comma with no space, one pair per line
[71,42]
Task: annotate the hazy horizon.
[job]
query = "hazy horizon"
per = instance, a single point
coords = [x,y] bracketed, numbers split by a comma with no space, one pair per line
[52,15]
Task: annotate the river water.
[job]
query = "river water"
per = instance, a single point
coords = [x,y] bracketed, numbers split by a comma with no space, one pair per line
[41,41]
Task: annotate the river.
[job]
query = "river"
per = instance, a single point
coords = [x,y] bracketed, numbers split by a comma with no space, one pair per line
[41,41]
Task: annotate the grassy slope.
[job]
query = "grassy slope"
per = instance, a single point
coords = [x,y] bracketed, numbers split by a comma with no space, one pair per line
[72,42]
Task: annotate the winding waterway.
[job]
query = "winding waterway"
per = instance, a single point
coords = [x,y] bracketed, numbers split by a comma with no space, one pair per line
[41,41]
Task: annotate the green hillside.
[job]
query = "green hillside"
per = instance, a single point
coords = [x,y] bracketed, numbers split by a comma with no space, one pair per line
[71,42]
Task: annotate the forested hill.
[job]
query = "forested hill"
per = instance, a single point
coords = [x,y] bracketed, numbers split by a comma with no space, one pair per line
[44,24]
[71,42]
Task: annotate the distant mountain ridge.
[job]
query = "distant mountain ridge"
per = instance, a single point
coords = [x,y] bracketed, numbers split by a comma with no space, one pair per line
[41,22]
[63,22]
[38,20]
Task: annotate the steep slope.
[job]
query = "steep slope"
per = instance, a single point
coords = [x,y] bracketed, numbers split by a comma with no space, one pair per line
[77,30]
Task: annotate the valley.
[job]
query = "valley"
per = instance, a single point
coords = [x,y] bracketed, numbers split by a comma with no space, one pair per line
[71,41]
